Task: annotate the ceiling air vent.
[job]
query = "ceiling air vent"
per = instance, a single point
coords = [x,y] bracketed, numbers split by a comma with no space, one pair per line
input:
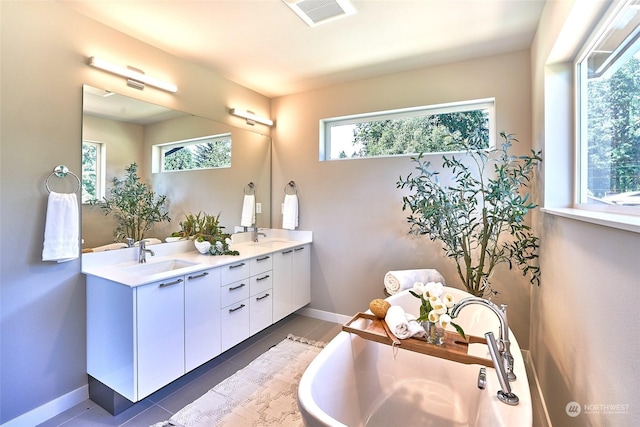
[315,12]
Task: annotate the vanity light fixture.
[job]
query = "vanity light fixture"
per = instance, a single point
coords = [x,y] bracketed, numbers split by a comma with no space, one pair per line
[250,116]
[135,78]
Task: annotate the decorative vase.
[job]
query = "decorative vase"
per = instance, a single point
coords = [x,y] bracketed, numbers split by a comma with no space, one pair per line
[435,333]
[202,247]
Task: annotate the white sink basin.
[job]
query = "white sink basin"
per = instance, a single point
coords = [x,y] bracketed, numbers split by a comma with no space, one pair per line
[158,267]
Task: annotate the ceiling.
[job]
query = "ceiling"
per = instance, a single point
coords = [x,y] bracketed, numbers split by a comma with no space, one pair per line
[263,45]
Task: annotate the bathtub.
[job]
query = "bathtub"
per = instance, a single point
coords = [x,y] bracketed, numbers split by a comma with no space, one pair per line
[357,382]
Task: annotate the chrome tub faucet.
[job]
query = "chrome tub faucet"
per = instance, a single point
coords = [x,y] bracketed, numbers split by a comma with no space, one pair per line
[504,345]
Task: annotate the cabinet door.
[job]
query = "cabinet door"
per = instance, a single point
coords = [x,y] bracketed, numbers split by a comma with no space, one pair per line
[201,318]
[282,283]
[159,334]
[261,307]
[301,277]
[234,324]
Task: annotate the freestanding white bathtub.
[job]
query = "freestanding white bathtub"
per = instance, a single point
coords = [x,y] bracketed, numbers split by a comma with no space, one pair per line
[357,382]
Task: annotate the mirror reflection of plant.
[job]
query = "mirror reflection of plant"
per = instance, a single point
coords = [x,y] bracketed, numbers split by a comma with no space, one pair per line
[206,228]
[135,205]
[479,219]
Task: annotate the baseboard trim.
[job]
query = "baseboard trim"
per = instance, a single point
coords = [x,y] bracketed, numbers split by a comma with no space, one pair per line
[323,315]
[50,409]
[526,354]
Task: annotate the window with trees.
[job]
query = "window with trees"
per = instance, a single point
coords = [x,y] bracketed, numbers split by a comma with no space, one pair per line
[608,79]
[93,171]
[430,129]
[198,153]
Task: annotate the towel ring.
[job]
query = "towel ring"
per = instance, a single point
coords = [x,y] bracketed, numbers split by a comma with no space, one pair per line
[291,188]
[249,189]
[62,171]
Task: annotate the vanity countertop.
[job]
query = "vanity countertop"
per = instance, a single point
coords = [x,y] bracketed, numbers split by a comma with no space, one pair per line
[120,265]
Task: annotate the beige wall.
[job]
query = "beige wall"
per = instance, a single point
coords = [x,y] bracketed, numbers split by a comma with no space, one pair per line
[584,329]
[354,207]
[44,50]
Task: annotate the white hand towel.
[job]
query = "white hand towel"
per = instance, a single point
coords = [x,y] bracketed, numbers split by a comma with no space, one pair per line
[401,324]
[290,212]
[248,217]
[61,231]
[399,280]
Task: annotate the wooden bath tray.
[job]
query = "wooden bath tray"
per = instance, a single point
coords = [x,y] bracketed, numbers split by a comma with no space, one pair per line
[454,347]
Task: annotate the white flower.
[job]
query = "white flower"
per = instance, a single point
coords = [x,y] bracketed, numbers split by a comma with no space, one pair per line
[418,288]
[433,316]
[434,288]
[227,241]
[448,299]
[444,320]
[438,306]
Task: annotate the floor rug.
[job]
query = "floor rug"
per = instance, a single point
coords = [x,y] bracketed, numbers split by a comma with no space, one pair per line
[264,393]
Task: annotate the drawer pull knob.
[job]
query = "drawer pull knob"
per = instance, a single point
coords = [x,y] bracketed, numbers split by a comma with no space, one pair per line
[231,310]
[175,282]
[236,265]
[263,258]
[233,288]
[262,297]
[287,252]
[299,249]
[197,276]
[262,278]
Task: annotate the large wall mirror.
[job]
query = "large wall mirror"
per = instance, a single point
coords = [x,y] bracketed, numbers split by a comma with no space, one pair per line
[124,130]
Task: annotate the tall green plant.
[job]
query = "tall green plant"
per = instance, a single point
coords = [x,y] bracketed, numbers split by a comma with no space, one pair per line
[135,205]
[480,216]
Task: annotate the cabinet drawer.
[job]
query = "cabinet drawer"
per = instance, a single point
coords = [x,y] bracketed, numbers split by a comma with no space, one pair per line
[259,265]
[234,322]
[261,282]
[261,311]
[234,292]
[234,272]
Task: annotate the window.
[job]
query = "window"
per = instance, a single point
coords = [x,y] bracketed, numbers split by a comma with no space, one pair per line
[93,171]
[198,153]
[608,78]
[410,131]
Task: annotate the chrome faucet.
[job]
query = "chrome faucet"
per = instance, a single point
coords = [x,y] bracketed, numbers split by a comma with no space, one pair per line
[504,344]
[256,234]
[505,394]
[142,258]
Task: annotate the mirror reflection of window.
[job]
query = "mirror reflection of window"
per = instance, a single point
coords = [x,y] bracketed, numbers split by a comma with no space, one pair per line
[93,171]
[198,153]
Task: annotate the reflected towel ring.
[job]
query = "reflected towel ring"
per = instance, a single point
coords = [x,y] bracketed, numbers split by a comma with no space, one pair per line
[249,189]
[62,171]
[291,188]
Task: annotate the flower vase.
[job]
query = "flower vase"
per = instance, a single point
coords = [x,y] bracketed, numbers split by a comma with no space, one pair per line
[435,333]
[202,247]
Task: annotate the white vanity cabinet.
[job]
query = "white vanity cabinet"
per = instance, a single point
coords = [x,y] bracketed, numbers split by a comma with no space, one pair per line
[261,301]
[160,333]
[234,297]
[142,338]
[135,336]
[246,299]
[143,335]
[201,318]
[291,280]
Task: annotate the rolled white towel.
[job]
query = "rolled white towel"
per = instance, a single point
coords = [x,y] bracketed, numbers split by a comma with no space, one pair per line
[401,324]
[399,280]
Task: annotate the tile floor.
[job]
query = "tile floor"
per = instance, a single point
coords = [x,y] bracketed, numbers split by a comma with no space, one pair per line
[169,400]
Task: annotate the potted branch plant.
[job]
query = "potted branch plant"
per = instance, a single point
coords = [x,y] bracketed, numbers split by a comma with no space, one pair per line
[135,206]
[480,216]
[207,234]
